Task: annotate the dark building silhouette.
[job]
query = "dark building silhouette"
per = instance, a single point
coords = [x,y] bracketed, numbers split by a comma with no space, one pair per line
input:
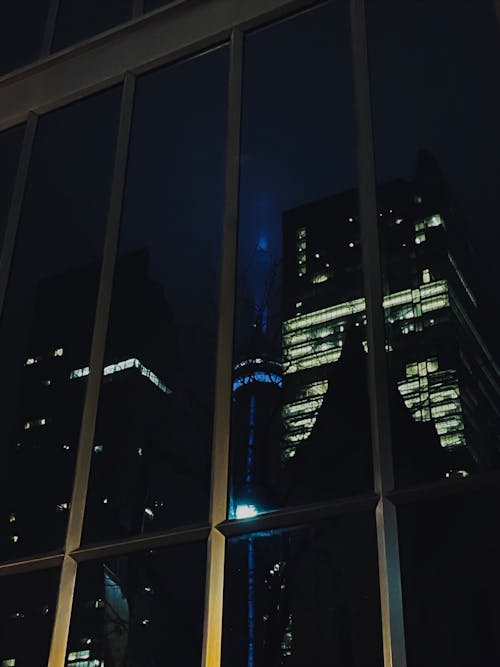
[142,476]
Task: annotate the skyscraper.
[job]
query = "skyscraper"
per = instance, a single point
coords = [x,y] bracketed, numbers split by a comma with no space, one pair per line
[437,343]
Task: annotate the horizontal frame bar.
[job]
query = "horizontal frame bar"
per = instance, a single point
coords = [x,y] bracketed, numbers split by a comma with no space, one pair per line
[183,535]
[177,30]
[446,489]
[296,516]
[31,564]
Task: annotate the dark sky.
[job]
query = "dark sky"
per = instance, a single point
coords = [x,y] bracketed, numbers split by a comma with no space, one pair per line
[435,68]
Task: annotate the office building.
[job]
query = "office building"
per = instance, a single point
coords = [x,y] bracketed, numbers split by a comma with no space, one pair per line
[437,343]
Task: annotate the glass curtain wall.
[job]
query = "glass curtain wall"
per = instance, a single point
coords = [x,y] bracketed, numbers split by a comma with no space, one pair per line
[248,353]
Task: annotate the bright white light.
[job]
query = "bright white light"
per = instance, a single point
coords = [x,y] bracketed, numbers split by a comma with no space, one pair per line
[122,366]
[246,511]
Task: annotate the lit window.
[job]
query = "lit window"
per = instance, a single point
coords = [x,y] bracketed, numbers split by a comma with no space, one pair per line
[27,426]
[298,304]
[122,366]
[98,449]
[46,383]
[301,233]
[420,238]
[58,352]
[149,513]
[17,615]
[418,199]
[432,365]
[30,361]
[10,662]
[426,276]
[399,221]
[79,655]
[12,518]
[62,506]
[14,538]
[319,278]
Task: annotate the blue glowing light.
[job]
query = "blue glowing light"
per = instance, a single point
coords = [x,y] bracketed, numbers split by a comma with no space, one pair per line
[257,376]
[262,244]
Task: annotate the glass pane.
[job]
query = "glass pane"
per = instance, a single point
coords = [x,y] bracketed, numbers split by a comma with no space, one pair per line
[10,148]
[21,37]
[151,460]
[143,609]
[300,424]
[436,116]
[306,596]
[79,19]
[47,325]
[27,608]
[449,557]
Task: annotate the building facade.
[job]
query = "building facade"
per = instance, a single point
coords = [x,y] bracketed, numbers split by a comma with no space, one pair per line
[247,352]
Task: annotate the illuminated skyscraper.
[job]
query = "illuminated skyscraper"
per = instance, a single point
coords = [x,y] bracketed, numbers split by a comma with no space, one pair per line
[437,344]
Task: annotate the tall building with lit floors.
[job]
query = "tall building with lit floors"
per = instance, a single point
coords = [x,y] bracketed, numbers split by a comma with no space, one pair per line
[442,373]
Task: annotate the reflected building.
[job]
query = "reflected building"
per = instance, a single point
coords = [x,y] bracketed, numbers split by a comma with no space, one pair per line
[438,346]
[444,400]
[138,481]
[42,452]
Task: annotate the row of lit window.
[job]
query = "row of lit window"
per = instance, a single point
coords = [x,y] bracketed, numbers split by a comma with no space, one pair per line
[122,366]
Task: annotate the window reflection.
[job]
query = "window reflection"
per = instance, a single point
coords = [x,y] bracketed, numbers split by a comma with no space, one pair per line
[27,607]
[449,555]
[437,143]
[300,427]
[48,319]
[303,596]
[137,609]
[151,457]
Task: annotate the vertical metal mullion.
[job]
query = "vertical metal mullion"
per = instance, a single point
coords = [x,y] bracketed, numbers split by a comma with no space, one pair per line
[60,632]
[50,28]
[16,204]
[57,657]
[385,514]
[212,632]
[84,455]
